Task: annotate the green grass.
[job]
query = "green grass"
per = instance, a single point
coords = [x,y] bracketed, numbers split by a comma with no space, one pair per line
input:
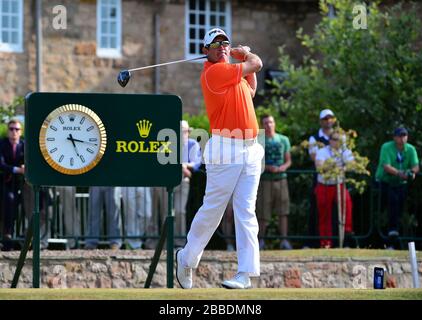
[223,294]
[210,294]
[339,253]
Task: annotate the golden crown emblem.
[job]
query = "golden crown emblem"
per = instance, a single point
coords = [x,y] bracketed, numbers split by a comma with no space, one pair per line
[144,126]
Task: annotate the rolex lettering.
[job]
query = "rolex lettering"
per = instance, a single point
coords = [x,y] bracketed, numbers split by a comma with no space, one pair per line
[142,146]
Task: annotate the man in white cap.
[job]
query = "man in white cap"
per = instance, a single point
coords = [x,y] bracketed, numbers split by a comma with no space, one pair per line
[316,142]
[321,139]
[232,156]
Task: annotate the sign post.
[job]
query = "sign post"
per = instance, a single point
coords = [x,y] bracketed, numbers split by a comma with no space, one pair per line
[91,139]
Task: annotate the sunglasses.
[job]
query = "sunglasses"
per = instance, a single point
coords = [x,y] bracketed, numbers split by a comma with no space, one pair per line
[14,129]
[217,44]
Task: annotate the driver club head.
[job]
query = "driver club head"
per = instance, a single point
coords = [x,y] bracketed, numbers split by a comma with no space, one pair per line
[123,77]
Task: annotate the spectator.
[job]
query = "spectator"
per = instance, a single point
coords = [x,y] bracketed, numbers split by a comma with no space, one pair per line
[273,192]
[326,189]
[137,205]
[398,164]
[316,142]
[191,161]
[159,213]
[71,216]
[46,210]
[98,198]
[12,165]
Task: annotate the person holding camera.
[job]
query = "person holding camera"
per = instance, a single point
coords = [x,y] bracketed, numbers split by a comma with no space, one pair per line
[398,164]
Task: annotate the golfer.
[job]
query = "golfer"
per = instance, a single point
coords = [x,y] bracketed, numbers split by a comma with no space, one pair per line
[233,159]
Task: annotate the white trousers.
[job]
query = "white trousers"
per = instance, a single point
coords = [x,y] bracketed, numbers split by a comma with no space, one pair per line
[233,168]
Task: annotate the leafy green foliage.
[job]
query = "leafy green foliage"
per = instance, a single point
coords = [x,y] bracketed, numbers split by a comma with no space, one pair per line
[369,77]
[199,121]
[7,112]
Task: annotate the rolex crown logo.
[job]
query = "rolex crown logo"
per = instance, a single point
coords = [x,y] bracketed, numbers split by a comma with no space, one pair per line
[144,126]
[72,117]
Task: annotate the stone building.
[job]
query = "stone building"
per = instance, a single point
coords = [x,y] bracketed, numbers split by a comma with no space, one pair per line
[86,43]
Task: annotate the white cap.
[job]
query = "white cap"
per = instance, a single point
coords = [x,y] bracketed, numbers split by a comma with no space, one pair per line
[212,34]
[326,112]
[184,124]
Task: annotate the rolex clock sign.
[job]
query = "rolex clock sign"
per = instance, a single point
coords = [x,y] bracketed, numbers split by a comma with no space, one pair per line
[102,139]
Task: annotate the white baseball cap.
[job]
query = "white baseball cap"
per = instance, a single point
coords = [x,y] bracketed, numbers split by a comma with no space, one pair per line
[184,124]
[326,112]
[212,34]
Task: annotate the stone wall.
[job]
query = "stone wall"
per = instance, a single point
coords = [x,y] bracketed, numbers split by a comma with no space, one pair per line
[129,269]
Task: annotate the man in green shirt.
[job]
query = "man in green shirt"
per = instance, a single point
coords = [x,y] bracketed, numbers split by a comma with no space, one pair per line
[398,164]
[273,192]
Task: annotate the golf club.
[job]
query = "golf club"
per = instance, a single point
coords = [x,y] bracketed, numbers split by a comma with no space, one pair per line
[124,75]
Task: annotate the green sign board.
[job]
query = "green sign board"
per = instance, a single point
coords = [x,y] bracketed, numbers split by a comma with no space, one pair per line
[93,139]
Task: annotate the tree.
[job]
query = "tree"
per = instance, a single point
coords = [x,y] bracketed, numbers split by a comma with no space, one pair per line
[7,112]
[369,77]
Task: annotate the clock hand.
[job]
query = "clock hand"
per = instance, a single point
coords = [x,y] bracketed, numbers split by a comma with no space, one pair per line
[74,144]
[77,140]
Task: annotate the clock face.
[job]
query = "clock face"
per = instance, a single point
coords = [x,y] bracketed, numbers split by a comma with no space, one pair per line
[72,139]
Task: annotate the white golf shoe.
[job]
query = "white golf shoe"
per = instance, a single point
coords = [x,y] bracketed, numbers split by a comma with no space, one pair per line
[239,281]
[183,274]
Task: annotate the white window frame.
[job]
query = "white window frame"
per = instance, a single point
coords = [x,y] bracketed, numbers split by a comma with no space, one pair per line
[109,52]
[7,46]
[227,28]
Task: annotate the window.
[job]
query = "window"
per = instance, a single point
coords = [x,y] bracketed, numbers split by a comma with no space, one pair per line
[11,25]
[109,35]
[202,15]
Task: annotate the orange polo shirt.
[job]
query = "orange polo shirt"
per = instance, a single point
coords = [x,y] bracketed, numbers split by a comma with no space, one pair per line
[228,100]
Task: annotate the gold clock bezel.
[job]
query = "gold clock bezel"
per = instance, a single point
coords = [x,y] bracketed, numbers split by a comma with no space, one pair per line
[87,112]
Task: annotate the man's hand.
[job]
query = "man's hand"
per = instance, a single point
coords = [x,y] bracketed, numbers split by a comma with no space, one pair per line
[186,172]
[281,168]
[402,175]
[272,169]
[410,175]
[240,52]
[20,169]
